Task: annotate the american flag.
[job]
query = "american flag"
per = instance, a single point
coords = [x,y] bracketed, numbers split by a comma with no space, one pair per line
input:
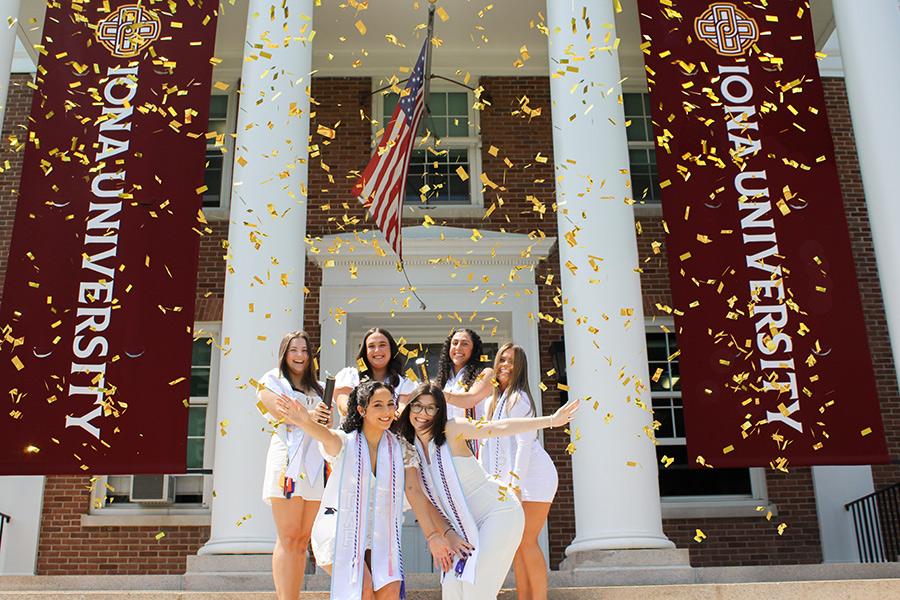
[383,183]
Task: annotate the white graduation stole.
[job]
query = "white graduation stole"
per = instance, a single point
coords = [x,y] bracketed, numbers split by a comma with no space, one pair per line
[441,484]
[303,457]
[352,517]
[498,452]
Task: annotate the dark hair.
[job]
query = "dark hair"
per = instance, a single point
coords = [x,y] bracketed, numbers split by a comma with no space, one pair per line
[404,427]
[360,396]
[395,365]
[309,379]
[472,365]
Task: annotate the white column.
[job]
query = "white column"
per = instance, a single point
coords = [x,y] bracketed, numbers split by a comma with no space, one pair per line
[869,34]
[266,262]
[9,25]
[614,466]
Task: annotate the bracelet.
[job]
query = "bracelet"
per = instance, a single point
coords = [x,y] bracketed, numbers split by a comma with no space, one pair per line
[448,529]
[433,533]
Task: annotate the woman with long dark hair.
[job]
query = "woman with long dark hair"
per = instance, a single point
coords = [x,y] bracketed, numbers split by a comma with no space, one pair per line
[478,507]
[294,477]
[356,535]
[466,382]
[378,359]
[523,465]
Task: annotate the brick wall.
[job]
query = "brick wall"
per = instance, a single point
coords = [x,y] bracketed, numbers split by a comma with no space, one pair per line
[67,548]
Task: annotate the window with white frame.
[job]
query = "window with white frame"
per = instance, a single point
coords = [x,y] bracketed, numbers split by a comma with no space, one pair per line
[193,489]
[219,151]
[679,480]
[641,149]
[452,143]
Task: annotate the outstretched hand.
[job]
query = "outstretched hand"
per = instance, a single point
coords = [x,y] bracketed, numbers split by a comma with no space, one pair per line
[292,411]
[565,414]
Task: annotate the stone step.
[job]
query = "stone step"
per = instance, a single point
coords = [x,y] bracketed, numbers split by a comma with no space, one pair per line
[793,590]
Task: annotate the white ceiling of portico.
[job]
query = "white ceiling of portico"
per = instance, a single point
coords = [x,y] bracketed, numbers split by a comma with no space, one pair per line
[481,37]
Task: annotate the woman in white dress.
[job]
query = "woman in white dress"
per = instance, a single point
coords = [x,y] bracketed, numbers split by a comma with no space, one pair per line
[475,504]
[523,465]
[465,381]
[356,535]
[294,477]
[378,359]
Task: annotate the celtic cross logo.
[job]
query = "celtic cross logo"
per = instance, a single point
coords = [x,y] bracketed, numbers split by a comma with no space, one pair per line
[728,30]
[127,31]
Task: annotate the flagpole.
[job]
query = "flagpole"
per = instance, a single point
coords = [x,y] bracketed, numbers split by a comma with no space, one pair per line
[429,37]
[426,89]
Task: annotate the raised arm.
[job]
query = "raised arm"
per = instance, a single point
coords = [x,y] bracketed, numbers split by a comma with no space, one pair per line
[299,416]
[487,429]
[481,389]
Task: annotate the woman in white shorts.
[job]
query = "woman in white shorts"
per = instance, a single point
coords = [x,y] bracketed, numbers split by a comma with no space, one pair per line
[523,465]
[294,478]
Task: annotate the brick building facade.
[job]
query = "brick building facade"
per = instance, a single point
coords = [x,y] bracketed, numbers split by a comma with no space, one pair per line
[68,545]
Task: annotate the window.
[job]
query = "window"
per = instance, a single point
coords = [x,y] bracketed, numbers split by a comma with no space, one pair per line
[678,480]
[219,152]
[641,149]
[452,144]
[191,490]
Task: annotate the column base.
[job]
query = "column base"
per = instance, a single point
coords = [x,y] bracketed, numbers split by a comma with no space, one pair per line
[237,546]
[627,567]
[623,541]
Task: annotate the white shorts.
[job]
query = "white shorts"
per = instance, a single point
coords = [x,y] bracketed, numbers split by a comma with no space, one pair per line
[276,461]
[539,485]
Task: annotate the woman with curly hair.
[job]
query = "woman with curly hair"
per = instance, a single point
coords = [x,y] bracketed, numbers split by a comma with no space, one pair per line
[378,359]
[356,535]
[477,506]
[466,382]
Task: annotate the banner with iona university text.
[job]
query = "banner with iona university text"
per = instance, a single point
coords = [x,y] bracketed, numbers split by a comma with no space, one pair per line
[775,364]
[98,300]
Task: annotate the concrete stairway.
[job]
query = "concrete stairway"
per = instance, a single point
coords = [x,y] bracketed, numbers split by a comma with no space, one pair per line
[795,590]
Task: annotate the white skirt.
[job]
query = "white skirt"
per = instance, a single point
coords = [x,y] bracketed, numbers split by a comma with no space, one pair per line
[276,461]
[539,484]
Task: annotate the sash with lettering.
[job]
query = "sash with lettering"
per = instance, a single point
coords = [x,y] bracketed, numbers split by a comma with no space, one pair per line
[775,363]
[348,489]
[98,302]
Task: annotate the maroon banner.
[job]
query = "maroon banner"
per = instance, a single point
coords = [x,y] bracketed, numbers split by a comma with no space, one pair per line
[98,301]
[775,364]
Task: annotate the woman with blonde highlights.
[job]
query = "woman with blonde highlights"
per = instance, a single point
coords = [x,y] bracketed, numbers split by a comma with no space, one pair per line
[521,464]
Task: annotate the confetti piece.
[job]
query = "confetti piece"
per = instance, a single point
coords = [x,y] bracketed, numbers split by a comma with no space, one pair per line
[361,27]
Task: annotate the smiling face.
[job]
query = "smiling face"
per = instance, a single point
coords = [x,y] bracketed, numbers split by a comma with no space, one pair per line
[297,357]
[461,347]
[378,351]
[380,411]
[422,411]
[505,364]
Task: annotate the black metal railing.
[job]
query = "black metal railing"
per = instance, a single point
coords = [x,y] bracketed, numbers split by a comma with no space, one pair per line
[876,521]
[4,519]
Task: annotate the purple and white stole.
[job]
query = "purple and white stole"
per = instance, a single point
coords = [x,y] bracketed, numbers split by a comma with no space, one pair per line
[441,484]
[352,518]
[303,457]
[498,453]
